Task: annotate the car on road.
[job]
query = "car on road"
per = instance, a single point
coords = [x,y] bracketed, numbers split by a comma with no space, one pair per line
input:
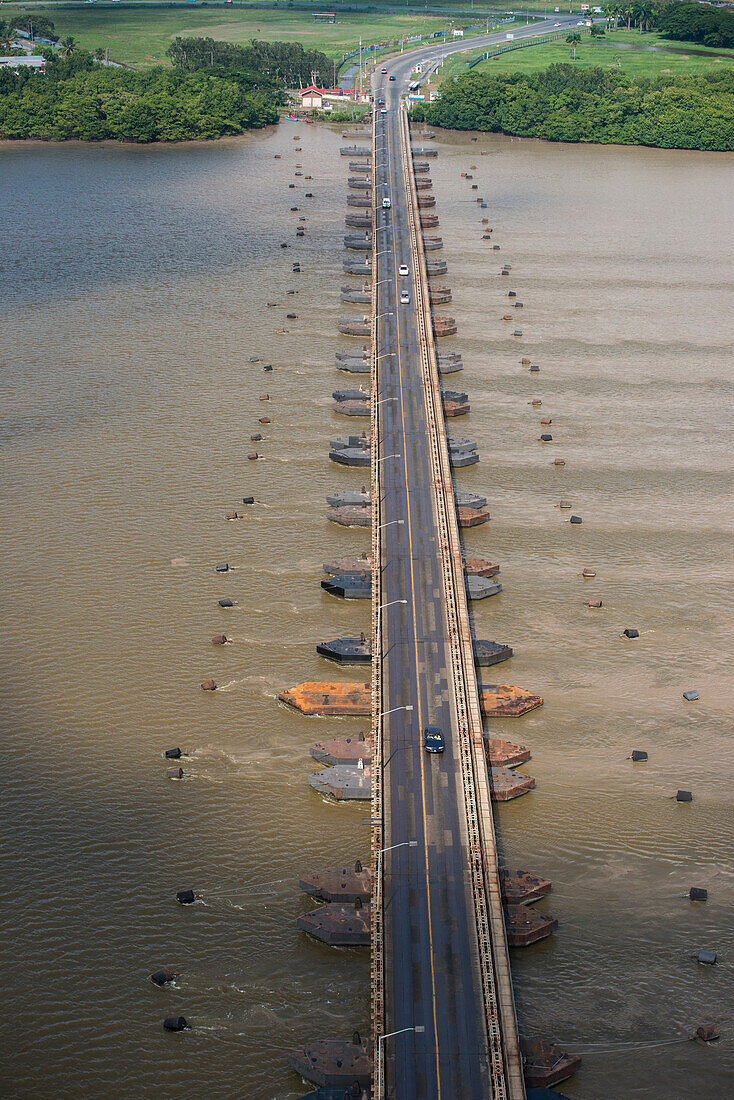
[556,24]
[392,77]
[403,269]
[383,71]
[433,739]
[386,204]
[405,299]
[383,110]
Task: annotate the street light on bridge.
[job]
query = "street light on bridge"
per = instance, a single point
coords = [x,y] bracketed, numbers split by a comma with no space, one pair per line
[418,1029]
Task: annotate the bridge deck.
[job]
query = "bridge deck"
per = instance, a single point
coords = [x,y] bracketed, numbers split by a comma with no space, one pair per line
[443,966]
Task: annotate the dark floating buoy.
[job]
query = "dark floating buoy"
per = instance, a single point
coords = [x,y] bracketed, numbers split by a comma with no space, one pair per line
[706,956]
[226,602]
[209,685]
[683,796]
[256,438]
[512,294]
[546,437]
[173,754]
[707,1033]
[185,897]
[269,367]
[517,332]
[163,976]
[691,696]
[175,1023]
[252,455]
[174,773]
[594,603]
[223,567]
[248,500]
[292,186]
[284,245]
[638,755]
[534,368]
[697,893]
[575,519]
[220,639]
[292,316]
[630,632]
[264,420]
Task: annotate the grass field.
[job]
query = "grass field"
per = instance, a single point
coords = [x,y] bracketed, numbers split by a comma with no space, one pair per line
[633,53]
[140,36]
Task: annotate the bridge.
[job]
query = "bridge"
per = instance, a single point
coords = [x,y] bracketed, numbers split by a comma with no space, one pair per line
[443,1012]
[443,1009]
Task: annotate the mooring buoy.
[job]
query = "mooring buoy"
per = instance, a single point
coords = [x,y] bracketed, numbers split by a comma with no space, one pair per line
[162,977]
[209,685]
[174,773]
[175,1023]
[691,696]
[638,755]
[631,632]
[185,897]
[683,796]
[698,893]
[226,602]
[173,754]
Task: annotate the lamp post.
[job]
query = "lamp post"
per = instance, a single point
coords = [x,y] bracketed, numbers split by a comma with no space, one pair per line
[418,1029]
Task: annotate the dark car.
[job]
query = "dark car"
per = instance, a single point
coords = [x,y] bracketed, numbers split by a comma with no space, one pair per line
[392,77]
[433,739]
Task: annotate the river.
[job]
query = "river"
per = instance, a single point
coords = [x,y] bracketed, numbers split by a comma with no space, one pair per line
[135,291]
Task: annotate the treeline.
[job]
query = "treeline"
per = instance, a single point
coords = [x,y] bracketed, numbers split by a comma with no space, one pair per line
[698,23]
[564,103]
[77,98]
[285,62]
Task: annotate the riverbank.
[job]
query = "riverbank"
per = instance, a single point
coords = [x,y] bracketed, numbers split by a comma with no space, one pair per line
[79,99]
[566,104]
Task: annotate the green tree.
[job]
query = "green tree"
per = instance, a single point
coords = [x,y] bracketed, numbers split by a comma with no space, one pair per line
[36,26]
[574,40]
[68,45]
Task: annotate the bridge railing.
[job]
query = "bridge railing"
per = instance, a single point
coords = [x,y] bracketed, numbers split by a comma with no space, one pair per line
[377,957]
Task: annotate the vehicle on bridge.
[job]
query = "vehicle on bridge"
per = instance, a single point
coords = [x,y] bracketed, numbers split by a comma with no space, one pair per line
[403,269]
[405,298]
[386,204]
[433,739]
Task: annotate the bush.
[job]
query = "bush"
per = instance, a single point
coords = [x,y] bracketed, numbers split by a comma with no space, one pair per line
[565,103]
[76,98]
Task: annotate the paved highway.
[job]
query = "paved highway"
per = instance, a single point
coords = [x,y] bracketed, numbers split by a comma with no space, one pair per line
[432,979]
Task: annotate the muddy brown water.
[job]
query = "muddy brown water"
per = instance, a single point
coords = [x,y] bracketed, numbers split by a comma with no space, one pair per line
[135,290]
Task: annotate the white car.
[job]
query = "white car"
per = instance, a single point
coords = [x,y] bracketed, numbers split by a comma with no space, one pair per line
[403,269]
[386,204]
[404,299]
[383,110]
[383,71]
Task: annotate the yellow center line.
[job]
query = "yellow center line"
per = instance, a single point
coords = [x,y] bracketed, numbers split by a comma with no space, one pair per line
[415,638]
